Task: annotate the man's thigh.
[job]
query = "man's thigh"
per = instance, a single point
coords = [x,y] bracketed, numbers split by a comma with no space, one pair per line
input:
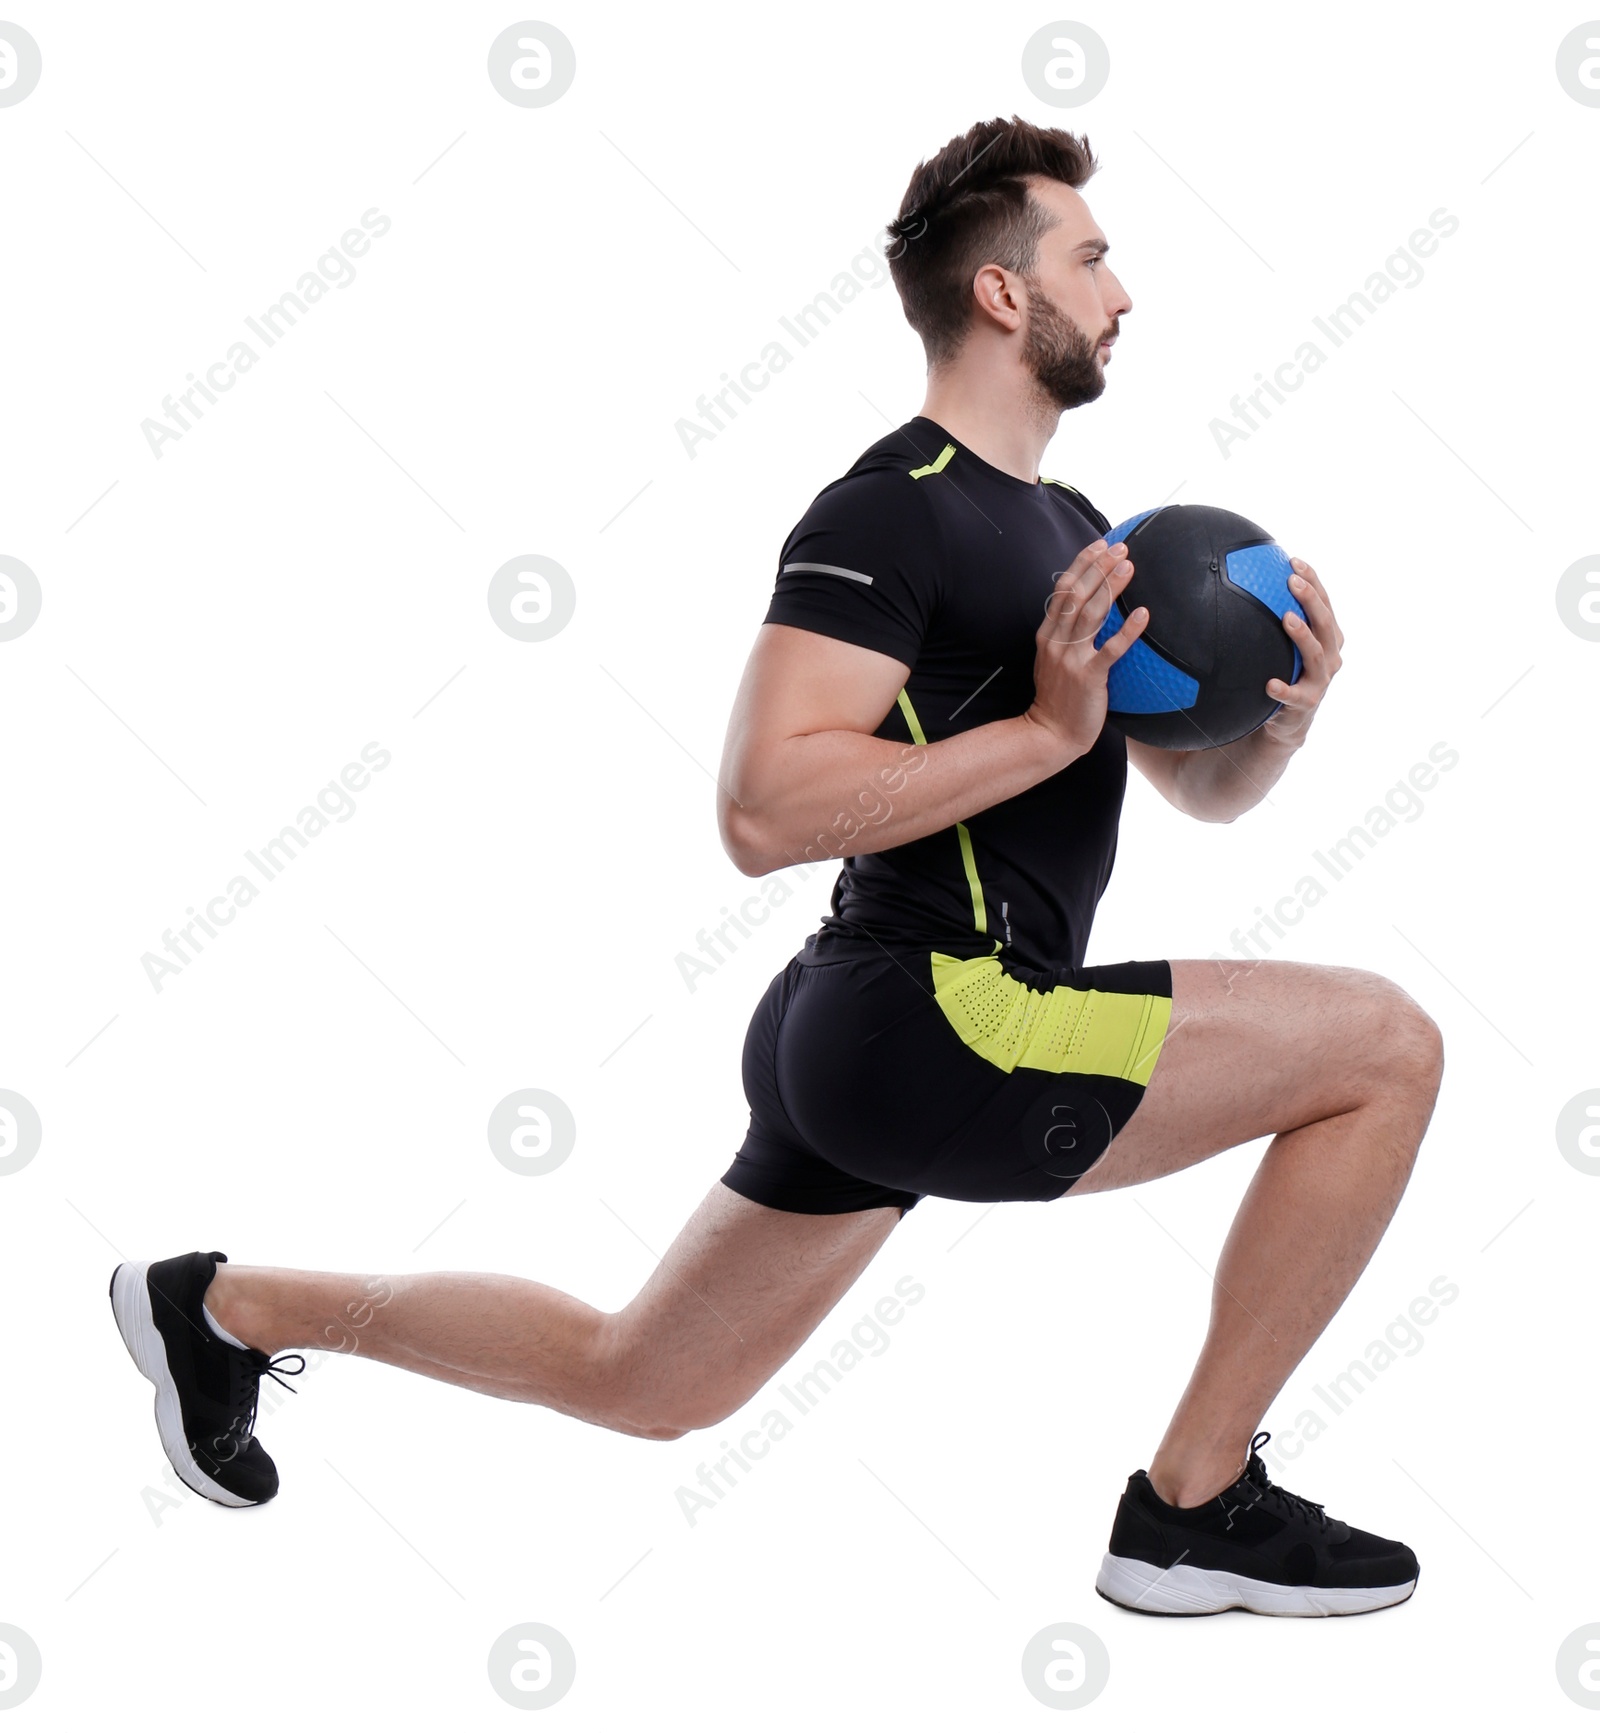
[737,1292]
[1252,1049]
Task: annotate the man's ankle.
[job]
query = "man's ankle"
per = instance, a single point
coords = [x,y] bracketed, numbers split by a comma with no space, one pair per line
[1185,1485]
[227,1301]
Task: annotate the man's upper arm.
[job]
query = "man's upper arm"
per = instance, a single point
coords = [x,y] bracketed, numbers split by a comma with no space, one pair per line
[857,585]
[795,683]
[863,565]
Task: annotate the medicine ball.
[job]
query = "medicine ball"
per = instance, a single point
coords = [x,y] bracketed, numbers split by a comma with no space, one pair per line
[1217,587]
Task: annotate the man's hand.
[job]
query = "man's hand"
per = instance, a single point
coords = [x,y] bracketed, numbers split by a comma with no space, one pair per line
[1069,674]
[1319,642]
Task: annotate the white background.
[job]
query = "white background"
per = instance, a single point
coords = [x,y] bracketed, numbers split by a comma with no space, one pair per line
[232,622]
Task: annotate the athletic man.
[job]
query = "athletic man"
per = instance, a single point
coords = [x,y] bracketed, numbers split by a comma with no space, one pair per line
[925,701]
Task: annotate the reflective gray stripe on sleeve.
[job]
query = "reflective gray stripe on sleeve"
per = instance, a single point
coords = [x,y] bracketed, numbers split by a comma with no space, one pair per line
[832,571]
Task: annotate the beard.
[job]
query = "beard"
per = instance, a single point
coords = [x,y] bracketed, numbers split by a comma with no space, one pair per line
[1061,357]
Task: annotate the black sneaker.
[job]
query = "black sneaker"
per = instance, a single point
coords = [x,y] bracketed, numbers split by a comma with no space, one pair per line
[1253,1546]
[206,1389]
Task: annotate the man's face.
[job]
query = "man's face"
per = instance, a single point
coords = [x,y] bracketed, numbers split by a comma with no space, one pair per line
[1074,302]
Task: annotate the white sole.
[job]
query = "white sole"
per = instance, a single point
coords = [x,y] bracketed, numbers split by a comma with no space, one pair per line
[130,1303]
[1185,1589]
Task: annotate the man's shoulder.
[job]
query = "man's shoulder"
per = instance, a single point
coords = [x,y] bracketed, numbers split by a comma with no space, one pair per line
[885,478]
[880,485]
[904,455]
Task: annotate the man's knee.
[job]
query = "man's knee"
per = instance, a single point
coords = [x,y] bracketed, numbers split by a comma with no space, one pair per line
[643,1419]
[665,1420]
[638,1402]
[1410,1045]
[659,1433]
[674,1414]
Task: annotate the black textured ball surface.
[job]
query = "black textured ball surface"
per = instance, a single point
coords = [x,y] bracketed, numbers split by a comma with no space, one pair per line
[1217,587]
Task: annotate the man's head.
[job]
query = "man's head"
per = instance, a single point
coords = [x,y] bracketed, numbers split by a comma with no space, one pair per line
[996,258]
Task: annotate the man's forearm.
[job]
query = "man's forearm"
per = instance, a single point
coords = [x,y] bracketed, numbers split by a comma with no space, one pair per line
[841,793]
[1217,783]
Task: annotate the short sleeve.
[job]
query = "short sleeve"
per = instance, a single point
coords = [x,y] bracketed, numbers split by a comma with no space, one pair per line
[862,565]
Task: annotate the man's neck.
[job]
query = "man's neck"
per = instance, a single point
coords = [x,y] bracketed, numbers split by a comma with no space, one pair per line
[1009,434]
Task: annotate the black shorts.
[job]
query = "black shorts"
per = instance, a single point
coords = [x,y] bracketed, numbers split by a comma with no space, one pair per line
[878,1079]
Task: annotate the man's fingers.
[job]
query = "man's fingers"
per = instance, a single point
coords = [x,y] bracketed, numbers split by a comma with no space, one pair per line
[1121,641]
[1090,567]
[1092,612]
[1108,561]
[1313,600]
[1077,607]
[1085,558]
[1310,575]
[1088,556]
[1313,653]
[1315,597]
[1109,573]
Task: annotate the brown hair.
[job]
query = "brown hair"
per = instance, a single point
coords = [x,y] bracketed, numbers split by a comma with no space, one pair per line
[968,207]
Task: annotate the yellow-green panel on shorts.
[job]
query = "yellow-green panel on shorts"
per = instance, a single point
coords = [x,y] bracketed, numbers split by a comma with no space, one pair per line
[1011,1024]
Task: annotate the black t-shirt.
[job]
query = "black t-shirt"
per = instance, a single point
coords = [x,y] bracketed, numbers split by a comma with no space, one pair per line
[928,554]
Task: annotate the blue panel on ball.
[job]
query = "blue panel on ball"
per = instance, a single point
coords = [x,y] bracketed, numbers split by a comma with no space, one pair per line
[1142,683]
[1263,572]
[1126,527]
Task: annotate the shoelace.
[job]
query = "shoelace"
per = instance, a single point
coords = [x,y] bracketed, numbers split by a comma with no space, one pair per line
[247,1394]
[1256,1476]
[270,1370]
